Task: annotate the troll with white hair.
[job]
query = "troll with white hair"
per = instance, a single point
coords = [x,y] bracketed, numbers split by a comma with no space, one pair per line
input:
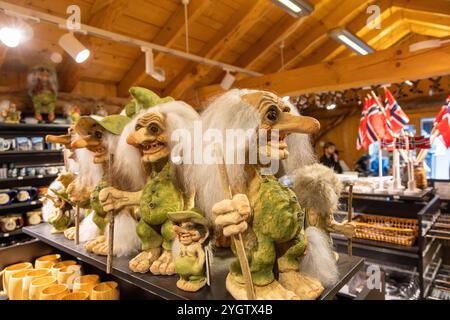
[263,210]
[145,150]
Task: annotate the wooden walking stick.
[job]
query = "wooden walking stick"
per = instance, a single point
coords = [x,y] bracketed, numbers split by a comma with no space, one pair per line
[77,225]
[109,261]
[237,239]
[350,217]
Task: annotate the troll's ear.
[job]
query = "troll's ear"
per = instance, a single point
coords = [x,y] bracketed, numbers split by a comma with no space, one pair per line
[253,98]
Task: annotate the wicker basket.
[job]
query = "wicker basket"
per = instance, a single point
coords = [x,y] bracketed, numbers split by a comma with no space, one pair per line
[386,229]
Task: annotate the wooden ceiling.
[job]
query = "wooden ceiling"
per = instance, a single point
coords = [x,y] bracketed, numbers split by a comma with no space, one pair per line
[239,32]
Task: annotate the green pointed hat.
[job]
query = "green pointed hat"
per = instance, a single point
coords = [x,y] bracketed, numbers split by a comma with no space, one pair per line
[113,123]
[143,99]
[187,215]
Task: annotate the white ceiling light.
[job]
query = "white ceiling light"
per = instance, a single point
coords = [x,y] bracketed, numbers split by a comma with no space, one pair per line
[150,69]
[74,48]
[351,41]
[11,37]
[331,106]
[409,83]
[286,98]
[296,8]
[227,80]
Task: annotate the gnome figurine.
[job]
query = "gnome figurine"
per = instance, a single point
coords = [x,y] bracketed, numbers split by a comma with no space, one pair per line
[43,89]
[192,231]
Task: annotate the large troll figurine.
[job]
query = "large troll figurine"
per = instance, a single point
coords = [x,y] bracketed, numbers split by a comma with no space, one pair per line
[265,211]
[318,190]
[43,90]
[145,149]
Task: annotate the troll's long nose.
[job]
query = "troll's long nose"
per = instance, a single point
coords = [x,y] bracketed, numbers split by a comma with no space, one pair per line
[289,123]
[63,139]
[84,143]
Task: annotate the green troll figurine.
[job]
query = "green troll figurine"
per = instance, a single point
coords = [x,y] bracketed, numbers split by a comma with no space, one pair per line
[43,90]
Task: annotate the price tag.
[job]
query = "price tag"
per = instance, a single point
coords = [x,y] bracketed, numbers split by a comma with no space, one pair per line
[40,176]
[20,178]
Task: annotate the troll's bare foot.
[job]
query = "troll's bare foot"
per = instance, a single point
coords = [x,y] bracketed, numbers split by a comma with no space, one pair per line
[164,265]
[307,288]
[142,262]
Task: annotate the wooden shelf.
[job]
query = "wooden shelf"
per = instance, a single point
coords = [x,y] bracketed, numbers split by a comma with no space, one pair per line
[26,181]
[23,129]
[32,156]
[11,234]
[165,286]
[20,207]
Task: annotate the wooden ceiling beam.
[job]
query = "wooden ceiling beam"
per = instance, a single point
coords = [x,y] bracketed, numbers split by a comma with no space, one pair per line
[430,31]
[70,72]
[433,6]
[167,36]
[317,33]
[249,13]
[428,19]
[3,52]
[393,65]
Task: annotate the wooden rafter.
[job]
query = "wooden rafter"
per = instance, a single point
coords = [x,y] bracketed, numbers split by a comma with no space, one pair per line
[424,30]
[104,17]
[166,37]
[428,19]
[395,64]
[315,34]
[249,13]
[434,6]
[3,52]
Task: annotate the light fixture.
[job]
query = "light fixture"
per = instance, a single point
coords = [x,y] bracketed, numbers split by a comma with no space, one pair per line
[296,8]
[351,41]
[74,48]
[227,80]
[331,106]
[286,98]
[11,37]
[156,73]
[409,83]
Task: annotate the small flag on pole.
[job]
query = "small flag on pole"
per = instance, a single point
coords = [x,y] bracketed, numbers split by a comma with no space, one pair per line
[443,123]
[395,115]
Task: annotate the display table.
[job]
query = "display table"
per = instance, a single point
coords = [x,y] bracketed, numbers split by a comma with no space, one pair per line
[165,286]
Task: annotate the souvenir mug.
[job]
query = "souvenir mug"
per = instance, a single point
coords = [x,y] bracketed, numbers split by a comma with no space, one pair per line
[34,218]
[47,261]
[37,285]
[37,143]
[79,295]
[54,292]
[58,266]
[106,291]
[31,275]
[3,173]
[26,194]
[68,274]
[15,284]
[10,270]
[11,223]
[23,144]
[86,283]
[5,144]
[7,196]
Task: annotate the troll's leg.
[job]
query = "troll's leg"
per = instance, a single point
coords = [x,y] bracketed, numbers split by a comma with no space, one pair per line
[165,264]
[98,245]
[151,243]
[305,287]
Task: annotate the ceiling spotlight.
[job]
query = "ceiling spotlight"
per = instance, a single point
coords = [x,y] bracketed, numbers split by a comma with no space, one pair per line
[156,73]
[228,80]
[331,106]
[295,8]
[74,48]
[11,37]
[351,41]
[409,83]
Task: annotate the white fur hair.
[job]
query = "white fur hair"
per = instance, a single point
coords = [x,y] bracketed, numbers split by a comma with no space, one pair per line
[48,207]
[127,164]
[319,261]
[126,240]
[318,187]
[230,111]
[88,228]
[89,173]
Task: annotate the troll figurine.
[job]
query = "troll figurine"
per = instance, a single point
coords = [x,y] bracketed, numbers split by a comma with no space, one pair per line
[145,149]
[192,231]
[263,210]
[43,90]
[318,190]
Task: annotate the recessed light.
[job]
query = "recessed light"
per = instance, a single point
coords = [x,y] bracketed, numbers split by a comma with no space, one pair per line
[296,8]
[351,41]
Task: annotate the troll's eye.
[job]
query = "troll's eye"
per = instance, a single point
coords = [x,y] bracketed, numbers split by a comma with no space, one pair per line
[98,134]
[272,113]
[137,127]
[153,129]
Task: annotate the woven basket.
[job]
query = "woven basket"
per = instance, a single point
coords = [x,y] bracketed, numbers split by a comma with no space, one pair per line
[387,229]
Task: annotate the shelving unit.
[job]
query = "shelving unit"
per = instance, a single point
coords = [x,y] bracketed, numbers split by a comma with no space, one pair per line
[426,251]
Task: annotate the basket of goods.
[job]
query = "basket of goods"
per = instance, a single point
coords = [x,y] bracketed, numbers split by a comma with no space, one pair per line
[387,229]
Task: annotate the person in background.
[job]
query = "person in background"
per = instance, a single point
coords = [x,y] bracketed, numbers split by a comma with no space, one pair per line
[362,166]
[330,158]
[344,165]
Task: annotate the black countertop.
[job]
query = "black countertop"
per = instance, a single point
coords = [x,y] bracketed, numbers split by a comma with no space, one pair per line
[165,286]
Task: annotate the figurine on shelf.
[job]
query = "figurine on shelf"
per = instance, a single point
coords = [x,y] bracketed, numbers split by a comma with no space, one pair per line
[144,153]
[100,136]
[264,211]
[74,113]
[43,90]
[192,231]
[11,114]
[318,190]
[100,110]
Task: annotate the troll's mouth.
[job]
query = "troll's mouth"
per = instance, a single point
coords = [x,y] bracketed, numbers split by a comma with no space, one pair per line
[152,148]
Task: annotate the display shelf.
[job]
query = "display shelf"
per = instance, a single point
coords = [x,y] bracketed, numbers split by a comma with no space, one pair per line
[35,156]
[20,207]
[165,287]
[11,234]
[36,181]
[22,129]
[421,195]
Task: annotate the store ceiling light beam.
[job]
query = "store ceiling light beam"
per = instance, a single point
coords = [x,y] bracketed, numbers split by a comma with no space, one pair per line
[107,35]
[296,8]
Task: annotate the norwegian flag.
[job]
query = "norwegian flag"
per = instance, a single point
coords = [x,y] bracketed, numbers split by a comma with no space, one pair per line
[362,141]
[388,144]
[443,123]
[394,113]
[420,142]
[376,121]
